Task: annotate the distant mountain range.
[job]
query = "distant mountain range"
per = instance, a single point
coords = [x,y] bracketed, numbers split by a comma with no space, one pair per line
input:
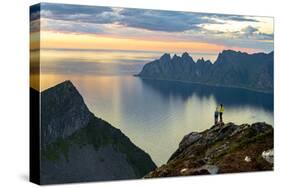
[77,146]
[231,69]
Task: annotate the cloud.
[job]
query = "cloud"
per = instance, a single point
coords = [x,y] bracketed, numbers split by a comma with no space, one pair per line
[77,13]
[227,17]
[166,21]
[249,30]
[35,26]
[153,20]
[266,36]
[254,33]
[34,12]
[71,27]
[151,24]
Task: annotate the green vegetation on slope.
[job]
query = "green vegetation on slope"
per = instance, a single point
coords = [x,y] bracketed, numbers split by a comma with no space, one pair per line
[99,133]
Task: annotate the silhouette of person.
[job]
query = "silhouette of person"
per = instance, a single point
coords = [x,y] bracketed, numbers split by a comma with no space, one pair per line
[217,114]
[221,112]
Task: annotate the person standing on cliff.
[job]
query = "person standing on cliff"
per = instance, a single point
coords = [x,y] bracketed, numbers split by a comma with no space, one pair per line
[221,112]
[217,114]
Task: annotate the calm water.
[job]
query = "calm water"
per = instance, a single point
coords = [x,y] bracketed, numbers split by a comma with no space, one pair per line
[156,115]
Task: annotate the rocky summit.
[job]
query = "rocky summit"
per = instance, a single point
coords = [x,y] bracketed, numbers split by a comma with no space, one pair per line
[77,146]
[224,148]
[63,112]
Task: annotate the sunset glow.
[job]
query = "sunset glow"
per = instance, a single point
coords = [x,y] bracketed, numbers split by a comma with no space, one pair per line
[80,39]
[66,40]
[83,27]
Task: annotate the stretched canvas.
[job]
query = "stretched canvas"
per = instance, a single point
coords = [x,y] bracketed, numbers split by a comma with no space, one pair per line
[123,93]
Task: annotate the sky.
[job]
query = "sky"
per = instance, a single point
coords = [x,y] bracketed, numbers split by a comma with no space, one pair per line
[139,35]
[92,27]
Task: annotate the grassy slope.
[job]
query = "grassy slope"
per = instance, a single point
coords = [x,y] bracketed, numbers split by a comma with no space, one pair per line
[100,133]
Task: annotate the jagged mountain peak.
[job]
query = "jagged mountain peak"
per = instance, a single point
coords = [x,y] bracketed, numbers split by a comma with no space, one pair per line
[165,58]
[200,60]
[185,54]
[63,111]
[176,58]
[232,69]
[187,58]
[203,61]
[233,52]
[226,54]
[67,87]
[229,51]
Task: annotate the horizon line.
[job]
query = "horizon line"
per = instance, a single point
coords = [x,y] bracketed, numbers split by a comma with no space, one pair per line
[148,51]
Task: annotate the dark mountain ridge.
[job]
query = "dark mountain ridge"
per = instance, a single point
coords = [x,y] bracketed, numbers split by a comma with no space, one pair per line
[77,146]
[231,69]
[63,112]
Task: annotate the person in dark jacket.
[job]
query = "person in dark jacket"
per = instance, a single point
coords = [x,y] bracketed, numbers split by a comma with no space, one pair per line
[217,114]
[221,112]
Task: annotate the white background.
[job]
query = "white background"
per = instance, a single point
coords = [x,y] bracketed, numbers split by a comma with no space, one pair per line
[14,88]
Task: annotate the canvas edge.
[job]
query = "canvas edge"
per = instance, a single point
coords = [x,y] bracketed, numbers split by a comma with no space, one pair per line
[34,113]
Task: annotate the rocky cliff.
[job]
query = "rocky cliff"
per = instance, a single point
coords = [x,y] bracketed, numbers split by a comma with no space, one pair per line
[224,148]
[77,146]
[231,69]
[63,112]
